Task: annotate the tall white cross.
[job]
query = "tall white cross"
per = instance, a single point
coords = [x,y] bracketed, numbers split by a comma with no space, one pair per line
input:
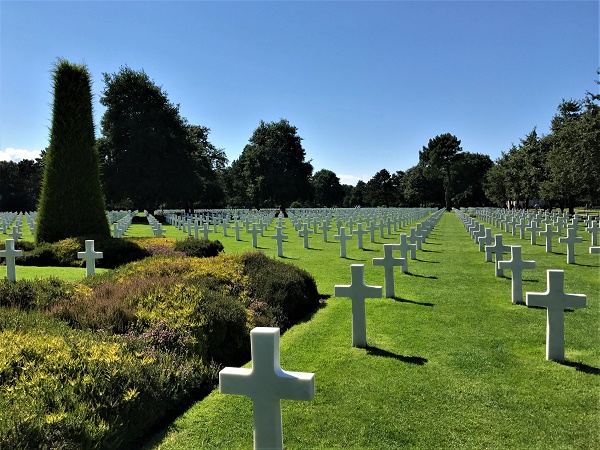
[389,262]
[358,291]
[266,384]
[304,233]
[325,228]
[371,229]
[255,231]
[594,228]
[516,265]
[486,239]
[342,237]
[359,232]
[570,240]
[405,247]
[279,237]
[16,234]
[555,300]
[548,233]
[415,238]
[497,249]
[10,254]
[90,256]
[237,227]
[533,228]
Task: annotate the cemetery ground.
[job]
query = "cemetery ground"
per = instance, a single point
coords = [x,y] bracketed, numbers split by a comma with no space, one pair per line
[450,362]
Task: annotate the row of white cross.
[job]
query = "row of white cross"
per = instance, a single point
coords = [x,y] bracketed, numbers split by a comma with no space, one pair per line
[555,300]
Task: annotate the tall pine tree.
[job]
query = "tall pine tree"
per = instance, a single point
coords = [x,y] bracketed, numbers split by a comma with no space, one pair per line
[71,202]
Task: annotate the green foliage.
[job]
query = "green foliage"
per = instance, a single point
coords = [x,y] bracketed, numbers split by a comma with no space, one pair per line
[289,293]
[271,171]
[144,133]
[199,248]
[73,389]
[116,252]
[327,189]
[40,294]
[20,184]
[71,202]
[439,156]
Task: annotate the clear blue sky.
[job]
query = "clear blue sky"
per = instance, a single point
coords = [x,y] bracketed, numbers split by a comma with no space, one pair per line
[367,84]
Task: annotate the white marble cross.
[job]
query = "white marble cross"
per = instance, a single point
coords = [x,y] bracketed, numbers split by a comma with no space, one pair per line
[325,228]
[516,265]
[359,232]
[415,238]
[497,249]
[594,228]
[533,228]
[255,231]
[90,256]
[358,291]
[486,239]
[555,300]
[342,237]
[16,234]
[10,254]
[594,250]
[266,384]
[279,236]
[388,262]
[548,233]
[405,247]
[570,240]
[304,233]
[237,226]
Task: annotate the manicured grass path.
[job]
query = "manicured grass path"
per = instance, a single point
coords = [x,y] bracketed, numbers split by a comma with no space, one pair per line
[451,363]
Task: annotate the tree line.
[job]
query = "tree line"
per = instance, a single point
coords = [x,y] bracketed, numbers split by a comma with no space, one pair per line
[152,157]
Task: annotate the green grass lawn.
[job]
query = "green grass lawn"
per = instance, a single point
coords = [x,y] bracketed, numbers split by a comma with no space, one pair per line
[450,363]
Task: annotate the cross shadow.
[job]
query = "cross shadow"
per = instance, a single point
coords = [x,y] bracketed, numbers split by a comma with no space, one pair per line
[353,259]
[531,281]
[427,261]
[287,257]
[433,243]
[312,248]
[404,300]
[421,276]
[431,251]
[374,351]
[367,249]
[581,367]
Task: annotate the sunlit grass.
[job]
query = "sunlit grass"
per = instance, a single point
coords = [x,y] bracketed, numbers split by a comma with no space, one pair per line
[451,363]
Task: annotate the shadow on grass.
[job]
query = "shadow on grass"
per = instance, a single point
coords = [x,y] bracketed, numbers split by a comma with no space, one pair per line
[432,277]
[287,257]
[581,367]
[404,300]
[431,251]
[353,259]
[367,249]
[313,248]
[427,261]
[374,351]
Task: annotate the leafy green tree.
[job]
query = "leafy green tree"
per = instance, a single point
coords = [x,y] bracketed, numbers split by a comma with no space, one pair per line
[469,171]
[494,185]
[439,156]
[20,184]
[358,197]
[271,171]
[151,156]
[380,190]
[327,189]
[397,180]
[420,188]
[71,202]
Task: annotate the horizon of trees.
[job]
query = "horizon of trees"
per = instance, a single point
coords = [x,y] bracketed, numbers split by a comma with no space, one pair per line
[151,157]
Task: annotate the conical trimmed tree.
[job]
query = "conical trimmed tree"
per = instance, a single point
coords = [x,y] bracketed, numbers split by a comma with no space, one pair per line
[71,202]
